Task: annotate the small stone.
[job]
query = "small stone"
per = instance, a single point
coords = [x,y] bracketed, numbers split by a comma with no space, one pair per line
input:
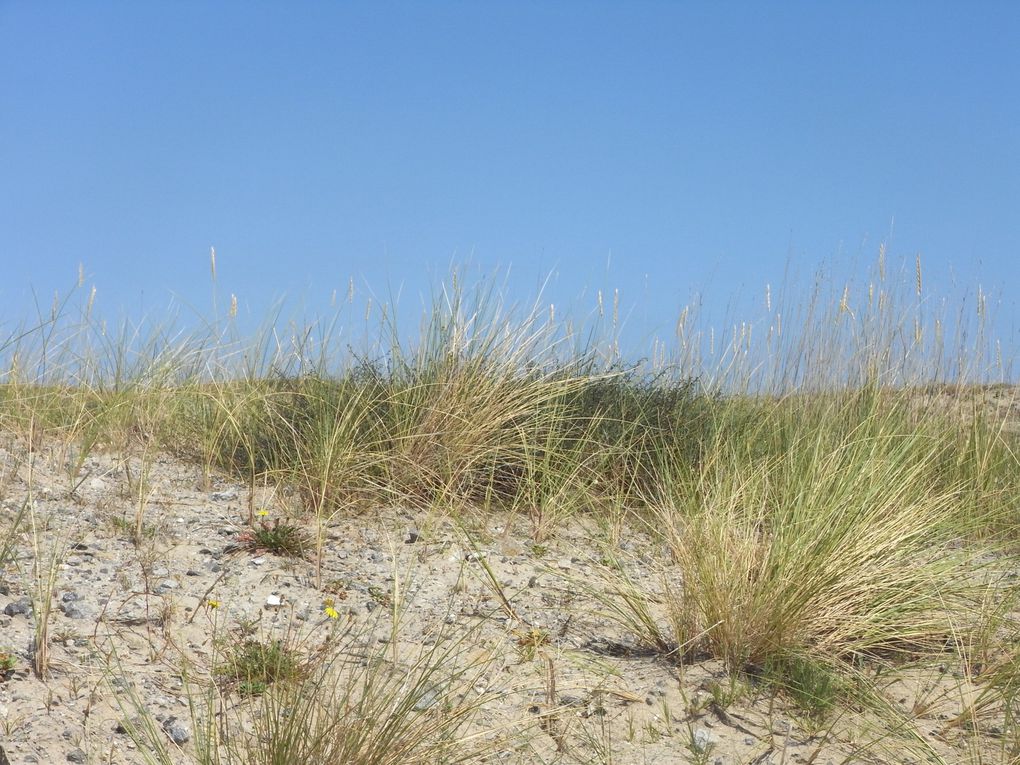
[258,561]
[274,601]
[413,535]
[71,611]
[126,725]
[228,495]
[21,606]
[426,701]
[704,738]
[177,731]
[77,755]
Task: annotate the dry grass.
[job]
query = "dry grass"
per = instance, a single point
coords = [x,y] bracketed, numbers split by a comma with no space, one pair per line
[828,505]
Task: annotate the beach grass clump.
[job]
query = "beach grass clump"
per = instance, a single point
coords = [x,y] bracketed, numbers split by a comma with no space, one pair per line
[251,665]
[828,496]
[278,537]
[331,699]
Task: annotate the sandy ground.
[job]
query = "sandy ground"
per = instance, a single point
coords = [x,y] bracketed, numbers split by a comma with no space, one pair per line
[126,618]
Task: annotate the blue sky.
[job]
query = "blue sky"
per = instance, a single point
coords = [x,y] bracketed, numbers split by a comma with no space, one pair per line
[663,149]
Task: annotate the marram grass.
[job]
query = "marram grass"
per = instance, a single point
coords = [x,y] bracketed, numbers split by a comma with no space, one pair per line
[831,491]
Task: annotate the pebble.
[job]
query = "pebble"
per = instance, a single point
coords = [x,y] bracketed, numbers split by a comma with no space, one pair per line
[20,606]
[71,611]
[125,726]
[177,731]
[704,738]
[165,586]
[427,700]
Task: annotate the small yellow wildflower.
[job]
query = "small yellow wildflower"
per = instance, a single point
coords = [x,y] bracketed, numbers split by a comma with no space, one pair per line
[213,603]
[262,513]
[331,612]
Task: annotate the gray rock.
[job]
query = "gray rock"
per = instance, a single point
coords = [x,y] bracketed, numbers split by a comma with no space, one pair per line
[20,606]
[71,611]
[426,701]
[704,739]
[165,586]
[177,731]
[77,755]
[228,495]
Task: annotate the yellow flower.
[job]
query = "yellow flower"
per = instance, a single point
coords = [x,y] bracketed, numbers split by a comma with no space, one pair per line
[213,603]
[262,513]
[332,613]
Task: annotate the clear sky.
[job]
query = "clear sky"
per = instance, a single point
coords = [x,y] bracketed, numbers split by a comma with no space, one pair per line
[662,148]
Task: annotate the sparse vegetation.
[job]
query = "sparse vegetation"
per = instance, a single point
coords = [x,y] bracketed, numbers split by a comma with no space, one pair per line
[252,665]
[826,505]
[277,537]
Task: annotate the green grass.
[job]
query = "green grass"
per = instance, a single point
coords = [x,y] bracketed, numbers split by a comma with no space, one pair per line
[276,537]
[831,492]
[252,665]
